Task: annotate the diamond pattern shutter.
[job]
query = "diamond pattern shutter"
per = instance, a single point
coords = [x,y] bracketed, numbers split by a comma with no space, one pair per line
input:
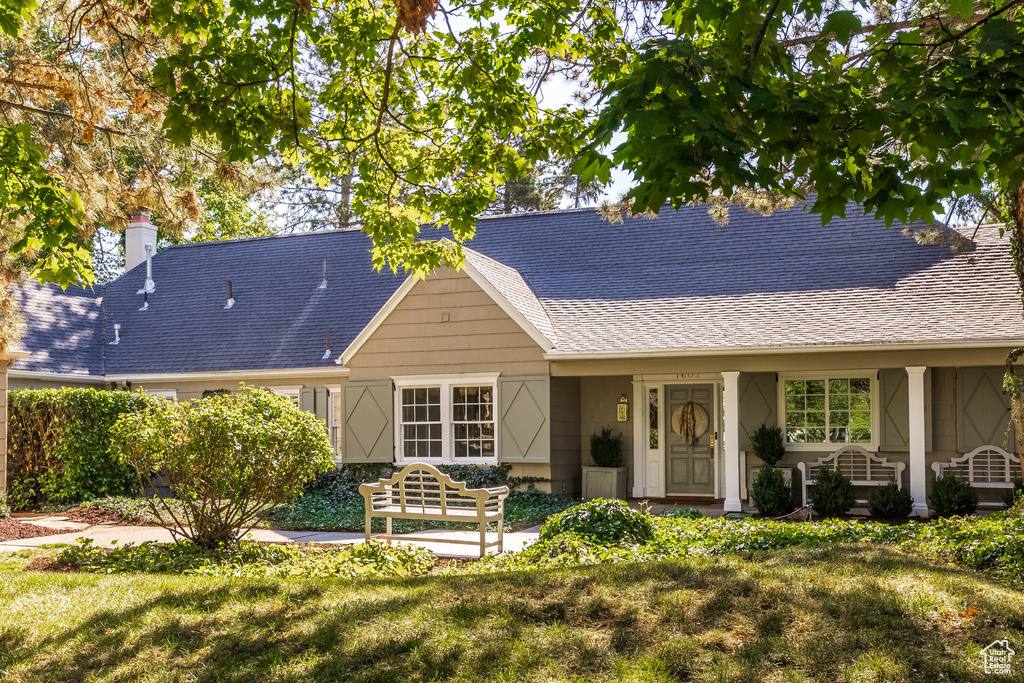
[984,410]
[895,409]
[759,400]
[320,404]
[368,432]
[525,412]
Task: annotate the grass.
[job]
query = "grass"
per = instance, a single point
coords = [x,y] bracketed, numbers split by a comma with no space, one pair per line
[833,613]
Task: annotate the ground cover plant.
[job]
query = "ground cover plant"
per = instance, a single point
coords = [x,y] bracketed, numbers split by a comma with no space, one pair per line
[249,558]
[836,613]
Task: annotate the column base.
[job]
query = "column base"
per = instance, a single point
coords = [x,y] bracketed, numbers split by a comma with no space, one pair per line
[922,512]
[733,505]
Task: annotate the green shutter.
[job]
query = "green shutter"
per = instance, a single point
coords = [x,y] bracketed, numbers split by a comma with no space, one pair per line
[983,409]
[524,434]
[306,399]
[894,411]
[320,404]
[368,432]
[759,400]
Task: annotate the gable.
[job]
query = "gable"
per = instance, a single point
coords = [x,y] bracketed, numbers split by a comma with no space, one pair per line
[444,324]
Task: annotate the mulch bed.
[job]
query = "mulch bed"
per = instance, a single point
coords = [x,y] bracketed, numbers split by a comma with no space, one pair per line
[91,515]
[48,564]
[12,530]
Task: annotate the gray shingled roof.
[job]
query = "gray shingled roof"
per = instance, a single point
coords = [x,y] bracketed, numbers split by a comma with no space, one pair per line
[280,318]
[680,281]
[510,284]
[62,329]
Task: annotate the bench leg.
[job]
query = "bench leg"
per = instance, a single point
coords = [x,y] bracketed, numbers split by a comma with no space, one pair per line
[368,521]
[483,538]
[501,535]
[389,531]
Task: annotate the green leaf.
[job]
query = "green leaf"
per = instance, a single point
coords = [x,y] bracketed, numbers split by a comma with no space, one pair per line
[842,25]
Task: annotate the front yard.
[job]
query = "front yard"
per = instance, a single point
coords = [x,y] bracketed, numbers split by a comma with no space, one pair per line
[837,613]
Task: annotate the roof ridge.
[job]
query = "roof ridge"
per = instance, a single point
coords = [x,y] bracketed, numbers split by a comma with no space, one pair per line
[237,240]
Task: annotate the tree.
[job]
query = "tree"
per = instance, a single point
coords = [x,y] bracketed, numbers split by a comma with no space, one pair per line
[418,113]
[229,459]
[904,108]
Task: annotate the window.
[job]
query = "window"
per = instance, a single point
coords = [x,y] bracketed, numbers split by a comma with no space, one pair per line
[292,392]
[829,410]
[446,419]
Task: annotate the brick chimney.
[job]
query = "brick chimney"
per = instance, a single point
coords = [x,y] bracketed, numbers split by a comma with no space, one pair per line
[137,235]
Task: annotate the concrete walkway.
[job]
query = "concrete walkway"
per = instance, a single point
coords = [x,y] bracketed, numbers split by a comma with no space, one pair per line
[112,535]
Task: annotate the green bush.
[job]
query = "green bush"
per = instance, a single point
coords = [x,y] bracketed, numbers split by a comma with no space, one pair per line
[229,460]
[1013,495]
[832,493]
[771,493]
[606,449]
[58,445]
[681,513]
[5,509]
[768,445]
[602,519]
[951,496]
[891,502]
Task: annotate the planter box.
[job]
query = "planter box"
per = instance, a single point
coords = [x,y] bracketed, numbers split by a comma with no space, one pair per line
[789,474]
[604,482]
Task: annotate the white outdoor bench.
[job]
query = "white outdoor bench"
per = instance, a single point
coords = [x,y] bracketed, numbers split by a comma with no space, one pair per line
[420,491]
[860,466]
[986,467]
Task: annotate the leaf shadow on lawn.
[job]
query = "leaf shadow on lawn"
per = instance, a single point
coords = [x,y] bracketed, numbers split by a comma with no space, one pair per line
[825,614]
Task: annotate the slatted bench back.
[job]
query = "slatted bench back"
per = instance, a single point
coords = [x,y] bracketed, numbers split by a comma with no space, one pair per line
[856,464]
[985,465]
[423,489]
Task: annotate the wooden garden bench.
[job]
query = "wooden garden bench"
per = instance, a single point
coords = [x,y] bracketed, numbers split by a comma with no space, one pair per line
[420,491]
[986,467]
[860,466]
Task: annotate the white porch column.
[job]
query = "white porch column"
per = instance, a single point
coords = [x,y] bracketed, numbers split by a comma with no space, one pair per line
[918,467]
[732,441]
[641,440]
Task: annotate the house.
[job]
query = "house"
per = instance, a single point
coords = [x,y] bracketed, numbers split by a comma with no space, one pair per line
[561,324]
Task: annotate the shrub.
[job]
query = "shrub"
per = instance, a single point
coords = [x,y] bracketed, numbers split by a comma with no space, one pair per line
[1013,495]
[951,496]
[602,519]
[891,502]
[605,449]
[58,441]
[230,460]
[5,509]
[681,513]
[832,493]
[771,493]
[768,445]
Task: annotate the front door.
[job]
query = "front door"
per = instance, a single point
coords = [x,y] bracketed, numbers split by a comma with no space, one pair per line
[689,429]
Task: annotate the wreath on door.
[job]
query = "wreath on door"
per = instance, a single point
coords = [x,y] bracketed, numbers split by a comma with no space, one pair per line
[690,421]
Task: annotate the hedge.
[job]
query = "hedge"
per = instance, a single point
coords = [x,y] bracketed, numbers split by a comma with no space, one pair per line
[57,448]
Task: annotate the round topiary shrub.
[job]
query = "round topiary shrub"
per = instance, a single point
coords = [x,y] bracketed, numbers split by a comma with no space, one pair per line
[771,493]
[606,449]
[602,519]
[891,502]
[832,493]
[768,445]
[951,496]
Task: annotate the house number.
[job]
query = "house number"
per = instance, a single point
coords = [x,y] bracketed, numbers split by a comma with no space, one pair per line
[688,375]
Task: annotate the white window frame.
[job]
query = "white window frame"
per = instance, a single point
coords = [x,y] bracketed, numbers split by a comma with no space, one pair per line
[293,392]
[166,393]
[333,393]
[871,374]
[446,383]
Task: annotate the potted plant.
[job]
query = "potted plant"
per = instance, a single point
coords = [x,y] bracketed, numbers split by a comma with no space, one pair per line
[771,490]
[607,477]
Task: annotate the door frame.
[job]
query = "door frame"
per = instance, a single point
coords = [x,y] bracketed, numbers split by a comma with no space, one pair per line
[649,475]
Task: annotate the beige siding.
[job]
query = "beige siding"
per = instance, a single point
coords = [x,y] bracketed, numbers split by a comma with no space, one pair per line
[565,435]
[478,336]
[599,401]
[533,469]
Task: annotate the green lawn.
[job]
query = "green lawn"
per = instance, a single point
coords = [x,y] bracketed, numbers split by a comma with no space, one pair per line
[835,613]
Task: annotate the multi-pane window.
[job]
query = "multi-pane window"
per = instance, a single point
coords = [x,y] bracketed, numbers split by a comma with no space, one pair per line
[473,422]
[831,411]
[421,423]
[451,419]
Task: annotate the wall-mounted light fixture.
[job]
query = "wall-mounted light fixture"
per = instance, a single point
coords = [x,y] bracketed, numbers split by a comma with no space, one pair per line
[623,409]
